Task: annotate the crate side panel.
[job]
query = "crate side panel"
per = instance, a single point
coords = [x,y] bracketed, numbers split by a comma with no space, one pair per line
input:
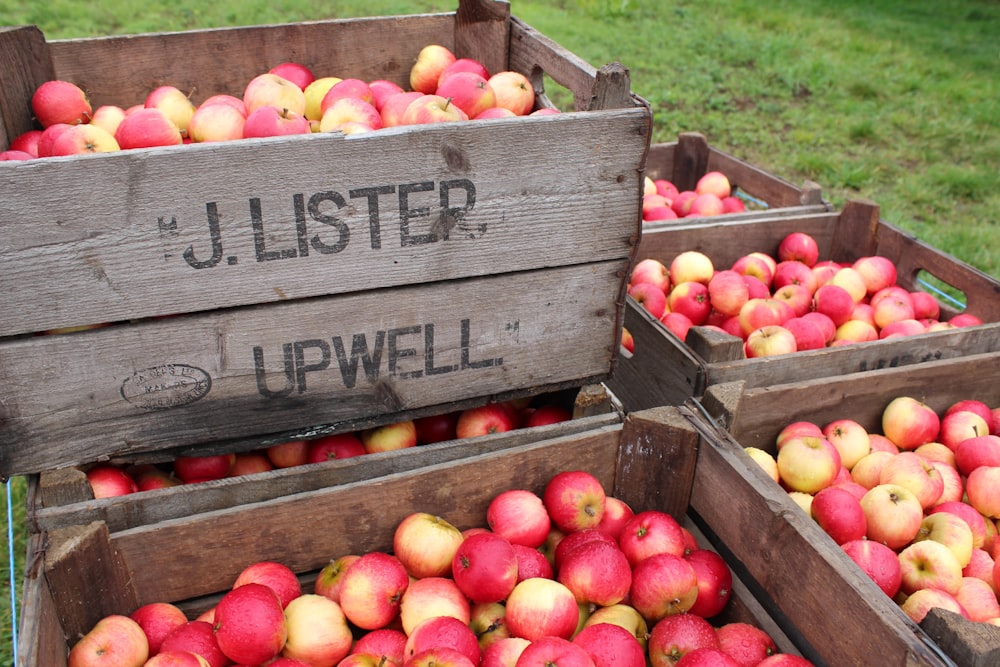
[223,60]
[167,231]
[356,518]
[165,383]
[787,555]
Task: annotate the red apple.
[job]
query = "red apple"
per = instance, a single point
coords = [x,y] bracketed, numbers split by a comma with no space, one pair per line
[27,142]
[796,295]
[539,608]
[798,246]
[190,469]
[745,643]
[649,297]
[706,204]
[574,500]
[575,539]
[617,514]
[878,561]
[331,576]
[250,624]
[431,109]
[249,463]
[485,567]
[714,182]
[978,599]
[430,63]
[277,576]
[157,620]
[386,644]
[549,651]
[975,520]
[108,480]
[197,636]
[520,516]
[439,656]
[691,265]
[794,272]
[177,659]
[372,588]
[983,489]
[504,652]
[839,514]
[216,122]
[177,106]
[652,271]
[597,573]
[269,89]
[436,428]
[288,454]
[611,645]
[917,474]
[484,420]
[929,564]
[909,422]
[728,292]
[893,515]
[976,452]
[651,532]
[835,302]
[768,341]
[299,74]
[513,91]
[950,530]
[114,640]
[531,562]
[10,155]
[878,272]
[442,632]
[147,128]
[690,298]
[271,121]
[59,101]
[715,582]
[335,446]
[470,91]
[762,312]
[662,585]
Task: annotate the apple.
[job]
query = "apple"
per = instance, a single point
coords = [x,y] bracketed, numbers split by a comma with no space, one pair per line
[174,103]
[157,620]
[288,454]
[431,108]
[796,295]
[892,309]
[715,582]
[808,463]
[754,266]
[965,320]
[649,297]
[794,272]
[797,428]
[691,265]
[191,469]
[901,328]
[489,623]
[733,204]
[950,530]
[980,565]
[954,486]
[868,470]
[269,89]
[504,652]
[519,515]
[959,425]
[839,514]
[393,108]
[314,94]
[442,632]
[876,271]
[58,101]
[347,110]
[925,306]
[249,463]
[728,292]
[835,302]
[197,636]
[784,660]
[107,117]
[385,645]
[662,585]
[714,182]
[439,656]
[540,607]
[672,637]
[745,643]
[706,204]
[299,74]
[331,576]
[798,246]
[485,567]
[148,477]
[335,446]
[10,155]
[146,128]
[495,112]
[624,616]
[917,474]
[317,631]
[681,204]
[431,62]
[768,341]
[484,420]
[513,91]
[929,564]
[271,121]
[971,516]
[610,645]
[389,437]
[116,640]
[436,428]
[277,576]
[617,513]
[177,659]
[977,452]
[762,312]
[426,544]
[372,589]
[597,573]
[552,650]
[574,499]
[250,624]
[470,91]
[978,599]
[648,533]
[909,422]
[216,122]
[983,489]
[577,538]
[27,142]
[651,271]
[765,460]
[545,415]
[854,331]
[893,515]
[79,139]
[108,480]
[878,561]
[851,280]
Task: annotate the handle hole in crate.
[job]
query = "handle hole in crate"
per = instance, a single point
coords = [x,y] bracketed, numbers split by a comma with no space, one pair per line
[950,297]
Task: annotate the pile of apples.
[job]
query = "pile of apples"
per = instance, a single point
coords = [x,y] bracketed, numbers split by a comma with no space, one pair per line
[712,195]
[916,506]
[111,479]
[287,99]
[785,302]
[572,577]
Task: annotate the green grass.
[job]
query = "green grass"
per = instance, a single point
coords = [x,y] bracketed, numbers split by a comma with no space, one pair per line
[897,101]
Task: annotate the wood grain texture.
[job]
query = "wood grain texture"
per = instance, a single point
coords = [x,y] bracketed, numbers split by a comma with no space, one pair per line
[24,65]
[267,372]
[781,550]
[42,640]
[969,644]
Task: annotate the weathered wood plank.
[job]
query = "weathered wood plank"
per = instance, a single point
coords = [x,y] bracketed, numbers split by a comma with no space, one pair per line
[341,360]
[139,234]
[158,505]
[24,65]
[306,530]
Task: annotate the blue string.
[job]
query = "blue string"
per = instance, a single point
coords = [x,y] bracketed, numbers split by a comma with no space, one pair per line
[10,556]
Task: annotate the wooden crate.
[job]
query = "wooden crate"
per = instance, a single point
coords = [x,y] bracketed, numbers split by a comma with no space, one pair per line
[684,161]
[663,370]
[647,459]
[258,288]
[784,551]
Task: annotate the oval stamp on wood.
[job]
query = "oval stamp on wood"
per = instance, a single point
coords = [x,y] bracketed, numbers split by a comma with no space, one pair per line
[167,386]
